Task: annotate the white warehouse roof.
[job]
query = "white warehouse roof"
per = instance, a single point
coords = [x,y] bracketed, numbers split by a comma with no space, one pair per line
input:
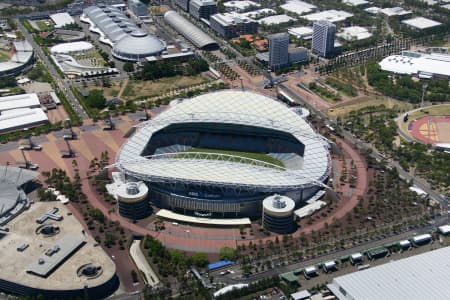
[421,23]
[240,5]
[414,63]
[423,276]
[21,118]
[278,19]
[66,48]
[227,107]
[256,14]
[356,2]
[62,19]
[19,101]
[301,32]
[331,15]
[298,7]
[354,33]
[395,11]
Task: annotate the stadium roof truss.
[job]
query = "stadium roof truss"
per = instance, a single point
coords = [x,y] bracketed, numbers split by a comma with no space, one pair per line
[243,108]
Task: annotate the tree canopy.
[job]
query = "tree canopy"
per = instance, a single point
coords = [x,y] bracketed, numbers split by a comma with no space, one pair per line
[200,259]
[96,99]
[227,253]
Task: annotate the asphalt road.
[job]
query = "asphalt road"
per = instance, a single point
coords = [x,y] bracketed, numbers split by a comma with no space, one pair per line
[235,278]
[61,83]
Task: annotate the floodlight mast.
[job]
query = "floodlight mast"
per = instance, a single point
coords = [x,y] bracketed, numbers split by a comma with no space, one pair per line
[424,88]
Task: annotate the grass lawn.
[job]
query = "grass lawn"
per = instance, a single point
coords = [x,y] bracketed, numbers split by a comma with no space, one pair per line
[44,27]
[253,155]
[112,91]
[137,89]
[345,108]
[4,56]
[435,110]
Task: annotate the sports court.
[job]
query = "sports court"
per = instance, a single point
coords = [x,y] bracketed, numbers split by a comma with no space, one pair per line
[431,130]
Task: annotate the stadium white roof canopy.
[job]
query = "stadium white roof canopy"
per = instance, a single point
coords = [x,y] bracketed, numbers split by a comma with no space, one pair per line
[227,107]
[414,63]
[23,54]
[423,276]
[62,19]
[71,47]
[298,7]
[331,15]
[421,23]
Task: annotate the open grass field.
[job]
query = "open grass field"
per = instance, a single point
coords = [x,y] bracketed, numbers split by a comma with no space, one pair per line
[4,56]
[345,108]
[112,91]
[44,27]
[435,110]
[136,89]
[253,155]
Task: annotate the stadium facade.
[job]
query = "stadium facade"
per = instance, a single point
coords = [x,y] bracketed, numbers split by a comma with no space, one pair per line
[222,184]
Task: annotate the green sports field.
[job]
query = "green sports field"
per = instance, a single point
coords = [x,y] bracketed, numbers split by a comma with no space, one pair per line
[253,155]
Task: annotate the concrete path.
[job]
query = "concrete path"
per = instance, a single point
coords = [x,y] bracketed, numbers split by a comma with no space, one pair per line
[142,264]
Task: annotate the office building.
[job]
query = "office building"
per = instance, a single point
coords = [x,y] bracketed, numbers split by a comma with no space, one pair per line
[278,50]
[230,25]
[138,8]
[323,38]
[183,4]
[202,9]
[297,55]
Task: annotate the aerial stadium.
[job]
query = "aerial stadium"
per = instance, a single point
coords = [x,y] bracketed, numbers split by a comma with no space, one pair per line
[221,154]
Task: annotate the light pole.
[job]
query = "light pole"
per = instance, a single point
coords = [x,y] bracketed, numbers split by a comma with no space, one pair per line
[424,88]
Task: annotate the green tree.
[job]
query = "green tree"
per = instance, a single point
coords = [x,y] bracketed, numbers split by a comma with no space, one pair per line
[227,253]
[128,67]
[200,259]
[96,99]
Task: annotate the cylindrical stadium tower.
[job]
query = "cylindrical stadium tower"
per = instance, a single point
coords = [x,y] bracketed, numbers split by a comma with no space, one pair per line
[278,214]
[132,200]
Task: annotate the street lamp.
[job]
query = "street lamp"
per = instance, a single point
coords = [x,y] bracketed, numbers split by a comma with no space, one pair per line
[424,88]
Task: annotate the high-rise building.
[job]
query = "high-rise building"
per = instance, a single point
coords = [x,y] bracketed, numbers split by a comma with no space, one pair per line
[278,50]
[138,8]
[323,38]
[202,9]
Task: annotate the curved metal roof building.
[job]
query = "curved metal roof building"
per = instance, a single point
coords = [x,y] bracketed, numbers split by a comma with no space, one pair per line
[128,41]
[66,48]
[233,120]
[190,31]
[21,60]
